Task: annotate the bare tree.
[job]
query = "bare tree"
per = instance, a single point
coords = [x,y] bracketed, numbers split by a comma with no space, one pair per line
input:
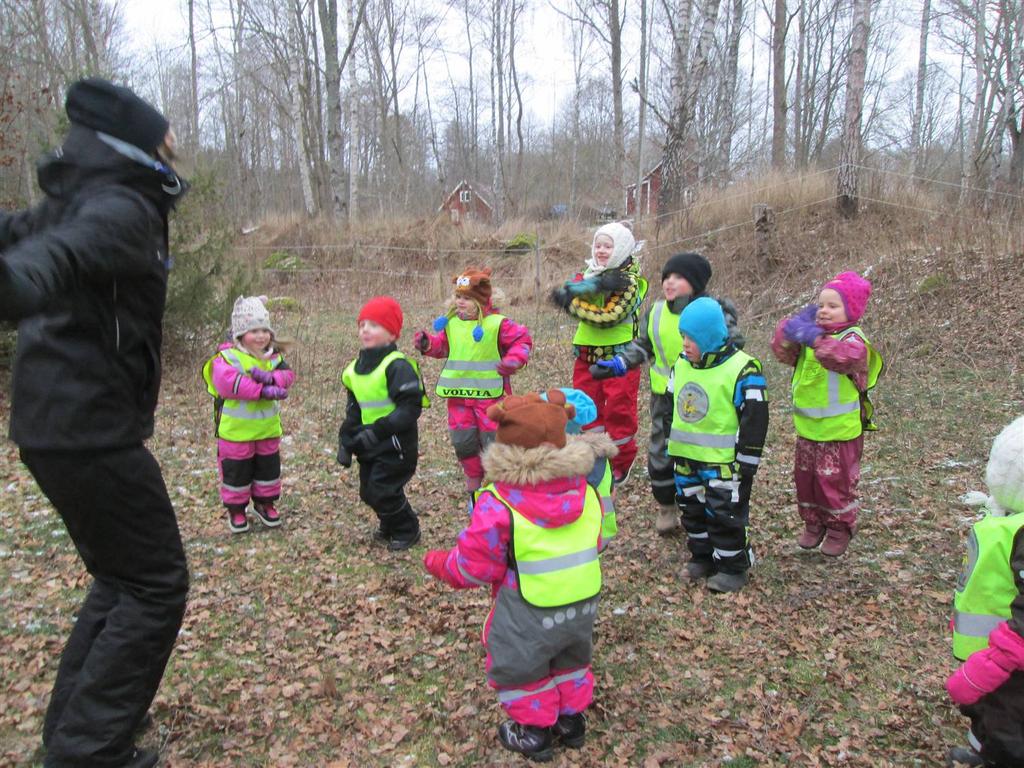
[846,183]
[917,153]
[780,25]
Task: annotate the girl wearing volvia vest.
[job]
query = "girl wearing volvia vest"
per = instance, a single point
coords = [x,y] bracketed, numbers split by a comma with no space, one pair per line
[988,615]
[835,367]
[534,539]
[385,399]
[249,377]
[605,300]
[483,350]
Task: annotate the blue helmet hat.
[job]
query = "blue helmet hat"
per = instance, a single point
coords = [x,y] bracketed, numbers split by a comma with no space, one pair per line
[704,322]
[586,411]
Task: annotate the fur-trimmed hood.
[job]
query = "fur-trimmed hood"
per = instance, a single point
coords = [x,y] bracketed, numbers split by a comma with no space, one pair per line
[599,442]
[514,465]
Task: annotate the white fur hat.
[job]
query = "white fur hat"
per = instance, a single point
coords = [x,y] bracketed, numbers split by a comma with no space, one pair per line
[249,314]
[1005,472]
[624,243]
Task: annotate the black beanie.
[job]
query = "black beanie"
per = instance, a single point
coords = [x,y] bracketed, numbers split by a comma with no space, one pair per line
[694,267]
[116,111]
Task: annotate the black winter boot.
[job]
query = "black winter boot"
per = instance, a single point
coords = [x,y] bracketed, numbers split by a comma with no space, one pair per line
[571,730]
[528,740]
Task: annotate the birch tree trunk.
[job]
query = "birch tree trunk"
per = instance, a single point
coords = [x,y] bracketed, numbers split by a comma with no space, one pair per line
[916,148]
[850,152]
[638,212]
[779,24]
[732,62]
[328,10]
[193,123]
[353,115]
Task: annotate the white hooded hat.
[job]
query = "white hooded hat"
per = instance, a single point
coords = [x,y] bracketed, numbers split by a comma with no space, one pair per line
[624,243]
[1005,472]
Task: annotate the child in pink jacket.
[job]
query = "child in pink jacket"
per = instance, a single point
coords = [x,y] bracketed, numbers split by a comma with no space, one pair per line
[483,349]
[835,366]
[248,378]
[544,579]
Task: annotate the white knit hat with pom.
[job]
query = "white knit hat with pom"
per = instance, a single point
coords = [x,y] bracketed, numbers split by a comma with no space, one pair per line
[1005,472]
[249,314]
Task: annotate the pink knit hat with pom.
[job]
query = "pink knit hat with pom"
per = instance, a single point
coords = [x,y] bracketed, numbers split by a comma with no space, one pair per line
[854,290]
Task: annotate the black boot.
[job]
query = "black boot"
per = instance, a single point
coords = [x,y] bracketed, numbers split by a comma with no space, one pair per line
[528,740]
[963,756]
[143,758]
[571,730]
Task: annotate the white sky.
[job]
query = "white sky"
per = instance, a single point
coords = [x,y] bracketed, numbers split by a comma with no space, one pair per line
[542,55]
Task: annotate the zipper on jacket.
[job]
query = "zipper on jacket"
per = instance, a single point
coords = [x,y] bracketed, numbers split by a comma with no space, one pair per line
[117,324]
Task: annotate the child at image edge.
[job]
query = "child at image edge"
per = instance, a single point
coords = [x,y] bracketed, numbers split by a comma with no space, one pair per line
[988,616]
[835,367]
[605,298]
[484,348]
[683,279]
[719,425]
[385,399]
[534,538]
[249,378]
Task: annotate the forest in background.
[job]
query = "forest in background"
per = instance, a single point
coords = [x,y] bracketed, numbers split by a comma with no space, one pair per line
[377,108]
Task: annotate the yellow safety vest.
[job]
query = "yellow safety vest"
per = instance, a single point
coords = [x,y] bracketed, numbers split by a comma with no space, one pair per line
[588,335]
[609,523]
[826,404]
[556,566]
[241,421]
[471,369]
[667,341]
[704,418]
[986,586]
[371,389]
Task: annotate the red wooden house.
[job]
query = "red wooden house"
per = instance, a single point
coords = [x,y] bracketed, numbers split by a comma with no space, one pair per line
[646,203]
[467,202]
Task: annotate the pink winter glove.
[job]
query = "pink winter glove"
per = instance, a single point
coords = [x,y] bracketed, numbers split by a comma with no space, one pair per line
[507,367]
[987,669]
[434,562]
[260,376]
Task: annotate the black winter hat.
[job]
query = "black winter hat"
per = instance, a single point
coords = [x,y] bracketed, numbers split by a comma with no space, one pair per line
[116,111]
[694,267]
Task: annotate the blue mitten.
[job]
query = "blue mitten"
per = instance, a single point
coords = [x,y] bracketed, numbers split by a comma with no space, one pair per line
[605,369]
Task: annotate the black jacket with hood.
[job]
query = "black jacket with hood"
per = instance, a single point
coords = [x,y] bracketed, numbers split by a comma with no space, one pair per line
[84,273]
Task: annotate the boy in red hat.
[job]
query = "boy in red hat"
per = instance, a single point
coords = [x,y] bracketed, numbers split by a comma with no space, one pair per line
[484,348]
[385,398]
[835,367]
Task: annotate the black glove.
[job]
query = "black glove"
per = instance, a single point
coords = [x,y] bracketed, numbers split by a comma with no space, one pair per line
[561,297]
[344,457]
[612,281]
[366,440]
[746,471]
[605,369]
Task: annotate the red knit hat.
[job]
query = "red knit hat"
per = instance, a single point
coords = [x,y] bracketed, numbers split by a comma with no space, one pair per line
[528,421]
[475,284]
[854,291]
[385,312]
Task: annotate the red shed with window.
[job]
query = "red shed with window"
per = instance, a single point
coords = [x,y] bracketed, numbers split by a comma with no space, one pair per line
[467,202]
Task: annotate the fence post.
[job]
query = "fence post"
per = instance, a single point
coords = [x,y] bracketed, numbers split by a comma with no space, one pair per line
[764,233]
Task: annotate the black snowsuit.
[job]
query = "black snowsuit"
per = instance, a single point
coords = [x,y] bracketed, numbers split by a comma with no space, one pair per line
[84,273]
[385,468]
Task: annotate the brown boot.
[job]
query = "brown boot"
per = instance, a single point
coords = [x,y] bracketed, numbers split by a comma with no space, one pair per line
[668,519]
[836,541]
[812,536]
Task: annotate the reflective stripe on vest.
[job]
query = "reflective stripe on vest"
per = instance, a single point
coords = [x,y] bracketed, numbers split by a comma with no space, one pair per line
[471,369]
[826,404]
[667,341]
[556,566]
[623,332]
[986,587]
[609,523]
[704,418]
[371,389]
[244,420]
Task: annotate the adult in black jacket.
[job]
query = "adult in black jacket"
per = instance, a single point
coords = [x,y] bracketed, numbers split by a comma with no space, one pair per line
[85,275]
